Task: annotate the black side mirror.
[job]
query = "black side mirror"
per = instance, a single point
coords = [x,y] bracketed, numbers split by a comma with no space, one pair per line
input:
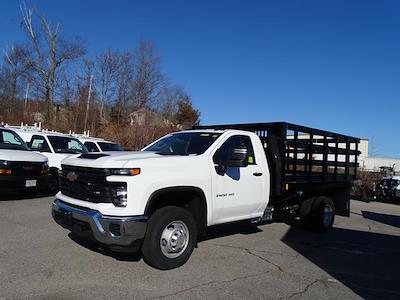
[236,158]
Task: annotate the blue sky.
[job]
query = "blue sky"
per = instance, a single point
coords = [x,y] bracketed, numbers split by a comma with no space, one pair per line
[333,65]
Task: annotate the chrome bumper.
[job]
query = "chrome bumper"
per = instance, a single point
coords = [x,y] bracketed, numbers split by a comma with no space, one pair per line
[119,231]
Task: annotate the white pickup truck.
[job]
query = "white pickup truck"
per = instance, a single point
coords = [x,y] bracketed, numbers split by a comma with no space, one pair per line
[163,197]
[54,145]
[20,169]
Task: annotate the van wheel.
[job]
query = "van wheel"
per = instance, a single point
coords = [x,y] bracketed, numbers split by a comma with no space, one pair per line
[322,215]
[170,238]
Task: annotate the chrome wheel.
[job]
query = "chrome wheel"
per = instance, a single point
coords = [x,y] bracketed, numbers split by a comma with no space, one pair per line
[327,215]
[174,239]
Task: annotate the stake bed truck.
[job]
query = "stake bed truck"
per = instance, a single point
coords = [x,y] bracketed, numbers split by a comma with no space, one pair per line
[163,197]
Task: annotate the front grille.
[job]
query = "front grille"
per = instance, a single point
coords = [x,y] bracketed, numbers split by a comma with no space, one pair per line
[88,184]
[25,168]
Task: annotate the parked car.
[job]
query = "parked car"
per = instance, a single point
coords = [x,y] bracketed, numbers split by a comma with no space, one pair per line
[162,198]
[20,168]
[55,146]
[100,145]
[387,189]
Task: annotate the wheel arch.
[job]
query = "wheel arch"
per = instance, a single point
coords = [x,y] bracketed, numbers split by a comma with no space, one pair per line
[190,197]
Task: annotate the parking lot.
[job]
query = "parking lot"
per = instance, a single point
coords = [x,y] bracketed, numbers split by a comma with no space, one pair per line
[358,259]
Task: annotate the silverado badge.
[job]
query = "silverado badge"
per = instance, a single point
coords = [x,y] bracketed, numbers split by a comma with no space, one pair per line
[72,176]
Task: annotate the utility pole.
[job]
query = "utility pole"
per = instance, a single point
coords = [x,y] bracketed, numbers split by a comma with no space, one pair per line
[88,101]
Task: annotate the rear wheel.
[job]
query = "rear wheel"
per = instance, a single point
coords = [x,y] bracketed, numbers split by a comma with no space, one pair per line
[323,214]
[170,239]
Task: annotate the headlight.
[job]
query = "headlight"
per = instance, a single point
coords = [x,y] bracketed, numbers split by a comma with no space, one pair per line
[125,172]
[121,197]
[3,168]
[45,167]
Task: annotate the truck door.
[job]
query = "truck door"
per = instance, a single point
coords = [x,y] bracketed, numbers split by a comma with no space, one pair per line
[237,192]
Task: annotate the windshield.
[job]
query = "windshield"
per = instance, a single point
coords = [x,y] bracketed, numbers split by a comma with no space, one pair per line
[11,140]
[184,143]
[63,144]
[104,146]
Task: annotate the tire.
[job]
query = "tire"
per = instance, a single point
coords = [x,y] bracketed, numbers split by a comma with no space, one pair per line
[305,213]
[158,248]
[322,214]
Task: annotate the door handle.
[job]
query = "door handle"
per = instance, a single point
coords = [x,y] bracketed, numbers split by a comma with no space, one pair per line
[257,174]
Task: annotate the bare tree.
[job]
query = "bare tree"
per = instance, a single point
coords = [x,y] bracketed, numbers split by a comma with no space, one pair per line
[147,79]
[49,53]
[170,97]
[123,88]
[52,78]
[15,64]
[108,66]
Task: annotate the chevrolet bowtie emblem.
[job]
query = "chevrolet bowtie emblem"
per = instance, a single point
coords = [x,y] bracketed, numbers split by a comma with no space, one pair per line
[72,176]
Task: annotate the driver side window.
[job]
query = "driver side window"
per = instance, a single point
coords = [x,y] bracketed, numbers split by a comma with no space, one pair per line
[91,147]
[237,141]
[38,143]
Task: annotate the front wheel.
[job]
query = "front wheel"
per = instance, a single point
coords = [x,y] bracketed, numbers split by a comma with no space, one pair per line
[170,238]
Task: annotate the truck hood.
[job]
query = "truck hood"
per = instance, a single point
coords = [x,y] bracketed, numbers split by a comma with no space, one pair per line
[114,159]
[21,155]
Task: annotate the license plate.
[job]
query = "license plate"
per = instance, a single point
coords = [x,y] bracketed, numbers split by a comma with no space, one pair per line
[30,183]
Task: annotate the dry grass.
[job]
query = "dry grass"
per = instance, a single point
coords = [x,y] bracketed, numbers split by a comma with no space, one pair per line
[134,137]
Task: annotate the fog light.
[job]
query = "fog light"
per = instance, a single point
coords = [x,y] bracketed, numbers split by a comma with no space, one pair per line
[121,197]
[115,229]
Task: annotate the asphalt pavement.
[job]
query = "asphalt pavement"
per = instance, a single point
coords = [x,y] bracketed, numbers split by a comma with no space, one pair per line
[359,258]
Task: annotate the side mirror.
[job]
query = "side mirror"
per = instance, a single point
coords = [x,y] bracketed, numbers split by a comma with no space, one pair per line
[236,158]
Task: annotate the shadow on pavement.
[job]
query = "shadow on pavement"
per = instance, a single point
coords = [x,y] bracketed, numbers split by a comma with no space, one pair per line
[7,196]
[366,262]
[135,255]
[382,218]
[222,230]
[96,247]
